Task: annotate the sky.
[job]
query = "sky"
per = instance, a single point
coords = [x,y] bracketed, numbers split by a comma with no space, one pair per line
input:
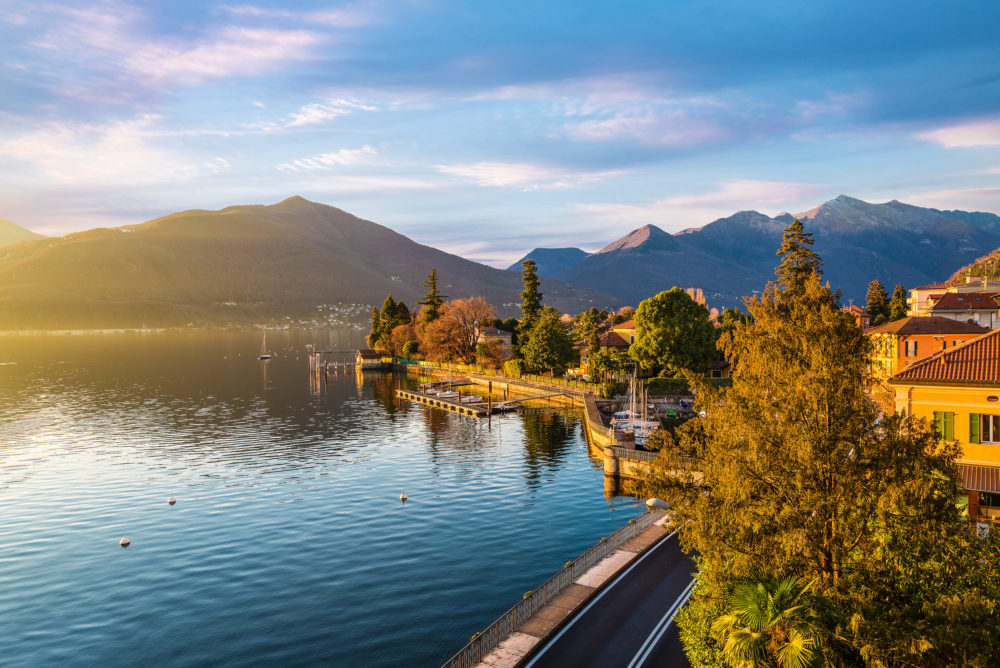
[489,128]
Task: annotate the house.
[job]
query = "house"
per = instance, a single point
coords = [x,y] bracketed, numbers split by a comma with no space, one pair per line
[367,360]
[719,369]
[922,299]
[959,389]
[860,315]
[898,344]
[982,308]
[490,334]
[626,331]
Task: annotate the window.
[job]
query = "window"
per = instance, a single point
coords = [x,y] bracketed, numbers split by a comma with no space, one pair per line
[910,348]
[984,428]
[944,422]
[989,506]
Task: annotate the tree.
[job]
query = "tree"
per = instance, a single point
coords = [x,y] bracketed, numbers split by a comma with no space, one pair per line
[897,305]
[876,303]
[673,332]
[531,299]
[798,260]
[454,334]
[374,334]
[770,623]
[548,346]
[434,299]
[791,473]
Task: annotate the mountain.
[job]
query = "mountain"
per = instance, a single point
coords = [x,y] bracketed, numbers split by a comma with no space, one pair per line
[240,265]
[987,266]
[551,260]
[12,234]
[735,256]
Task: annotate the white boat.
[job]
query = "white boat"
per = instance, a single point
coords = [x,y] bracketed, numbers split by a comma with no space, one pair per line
[264,355]
[471,399]
[448,394]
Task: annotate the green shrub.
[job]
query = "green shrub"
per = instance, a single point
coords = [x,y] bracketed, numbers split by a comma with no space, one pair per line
[694,626]
[513,368]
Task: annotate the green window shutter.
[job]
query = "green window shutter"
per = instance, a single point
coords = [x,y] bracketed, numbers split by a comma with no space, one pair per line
[939,423]
[949,426]
[973,427]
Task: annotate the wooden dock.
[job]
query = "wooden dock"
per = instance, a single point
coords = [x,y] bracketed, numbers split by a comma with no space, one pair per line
[475,410]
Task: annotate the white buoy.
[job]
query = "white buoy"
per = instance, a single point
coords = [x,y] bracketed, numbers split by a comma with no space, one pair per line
[171,500]
[124,542]
[403,497]
[659,504]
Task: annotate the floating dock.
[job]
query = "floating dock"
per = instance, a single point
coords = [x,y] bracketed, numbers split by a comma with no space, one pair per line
[479,409]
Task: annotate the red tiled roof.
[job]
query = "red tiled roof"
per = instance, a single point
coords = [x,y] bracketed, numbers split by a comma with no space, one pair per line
[976,361]
[932,286]
[855,310]
[932,324]
[628,324]
[962,301]
[612,340]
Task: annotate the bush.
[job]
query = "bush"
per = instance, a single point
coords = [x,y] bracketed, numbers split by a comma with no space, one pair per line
[513,368]
[611,390]
[694,626]
[410,349]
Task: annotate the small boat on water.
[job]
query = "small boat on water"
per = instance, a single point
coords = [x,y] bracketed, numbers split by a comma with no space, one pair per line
[448,394]
[264,355]
[471,399]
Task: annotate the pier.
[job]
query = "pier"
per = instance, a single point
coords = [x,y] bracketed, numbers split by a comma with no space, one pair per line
[477,409]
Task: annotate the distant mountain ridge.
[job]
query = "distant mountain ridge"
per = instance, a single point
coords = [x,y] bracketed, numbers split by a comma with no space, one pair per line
[12,234]
[735,256]
[548,261]
[240,265]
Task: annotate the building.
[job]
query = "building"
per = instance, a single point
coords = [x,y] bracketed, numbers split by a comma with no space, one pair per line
[368,360]
[959,389]
[626,331]
[897,345]
[490,334]
[982,308]
[921,300]
[860,316]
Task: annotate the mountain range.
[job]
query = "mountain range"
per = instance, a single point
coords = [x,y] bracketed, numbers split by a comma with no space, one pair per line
[735,256]
[12,234]
[241,265]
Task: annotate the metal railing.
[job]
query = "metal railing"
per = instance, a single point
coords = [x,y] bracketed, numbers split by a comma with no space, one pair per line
[638,455]
[484,642]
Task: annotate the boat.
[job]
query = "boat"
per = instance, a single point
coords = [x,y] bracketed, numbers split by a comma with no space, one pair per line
[448,394]
[471,399]
[264,355]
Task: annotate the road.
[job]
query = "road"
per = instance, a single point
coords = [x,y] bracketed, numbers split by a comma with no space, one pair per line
[629,624]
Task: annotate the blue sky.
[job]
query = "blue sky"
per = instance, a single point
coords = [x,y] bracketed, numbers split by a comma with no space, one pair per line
[489,128]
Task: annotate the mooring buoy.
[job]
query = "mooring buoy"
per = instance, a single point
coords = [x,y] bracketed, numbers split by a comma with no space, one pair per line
[124,542]
[403,497]
[171,500]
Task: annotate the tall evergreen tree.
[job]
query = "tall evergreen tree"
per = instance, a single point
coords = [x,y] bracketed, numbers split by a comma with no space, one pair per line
[375,333]
[531,299]
[548,345]
[897,305]
[434,298]
[876,302]
[798,260]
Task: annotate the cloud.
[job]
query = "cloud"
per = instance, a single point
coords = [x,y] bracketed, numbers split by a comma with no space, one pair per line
[981,132]
[318,113]
[660,128]
[99,155]
[969,199]
[345,156]
[111,37]
[683,211]
[343,17]
[524,176]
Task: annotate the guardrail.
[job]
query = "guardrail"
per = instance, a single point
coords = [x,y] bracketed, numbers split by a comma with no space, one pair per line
[483,643]
[638,455]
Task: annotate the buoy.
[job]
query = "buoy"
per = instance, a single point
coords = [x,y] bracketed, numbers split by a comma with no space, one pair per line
[171,500]
[659,504]
[124,542]
[403,497]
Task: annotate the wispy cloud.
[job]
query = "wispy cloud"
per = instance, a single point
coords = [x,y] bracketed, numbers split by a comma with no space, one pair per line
[524,176]
[314,113]
[970,199]
[659,128]
[113,36]
[99,155]
[981,132]
[344,17]
[345,156]
[683,211]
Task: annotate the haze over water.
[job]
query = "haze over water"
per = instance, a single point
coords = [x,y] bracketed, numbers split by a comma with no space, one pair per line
[288,543]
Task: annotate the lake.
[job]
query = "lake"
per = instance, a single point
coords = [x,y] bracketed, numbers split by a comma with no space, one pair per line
[288,543]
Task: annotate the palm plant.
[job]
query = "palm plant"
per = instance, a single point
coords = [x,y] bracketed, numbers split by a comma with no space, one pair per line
[769,623]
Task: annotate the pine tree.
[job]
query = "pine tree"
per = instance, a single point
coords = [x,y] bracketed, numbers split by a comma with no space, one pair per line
[876,302]
[897,305]
[531,299]
[375,334]
[434,298]
[798,260]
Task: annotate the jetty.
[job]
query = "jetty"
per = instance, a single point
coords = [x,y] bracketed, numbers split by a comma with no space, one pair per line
[482,408]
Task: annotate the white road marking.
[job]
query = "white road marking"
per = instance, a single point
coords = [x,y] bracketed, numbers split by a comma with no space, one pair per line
[661,627]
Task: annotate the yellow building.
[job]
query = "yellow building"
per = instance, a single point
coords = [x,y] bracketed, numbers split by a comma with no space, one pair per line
[626,330]
[959,389]
[896,345]
[922,299]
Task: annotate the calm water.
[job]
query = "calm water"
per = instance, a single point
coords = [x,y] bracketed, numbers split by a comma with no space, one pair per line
[288,544]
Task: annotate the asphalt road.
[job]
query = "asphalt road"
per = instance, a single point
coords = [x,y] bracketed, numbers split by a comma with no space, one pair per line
[629,624]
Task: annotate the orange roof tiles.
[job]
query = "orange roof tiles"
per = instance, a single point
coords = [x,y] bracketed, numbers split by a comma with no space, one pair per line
[628,324]
[932,324]
[976,361]
[932,286]
[612,340]
[961,301]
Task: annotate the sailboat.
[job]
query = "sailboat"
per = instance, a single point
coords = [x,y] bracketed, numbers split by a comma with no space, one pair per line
[264,355]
